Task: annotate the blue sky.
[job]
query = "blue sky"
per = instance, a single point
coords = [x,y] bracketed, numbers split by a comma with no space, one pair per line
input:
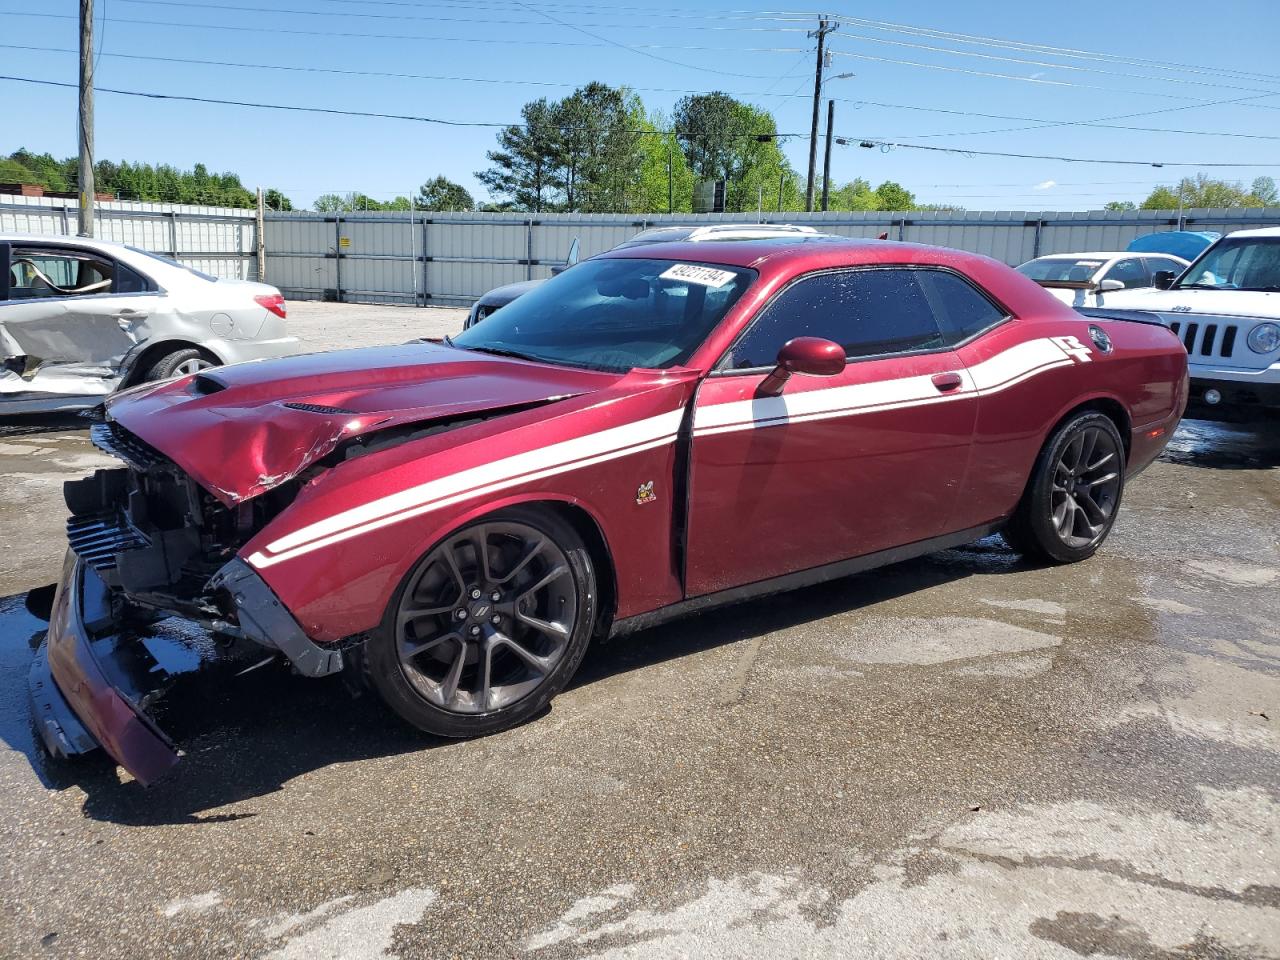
[744,47]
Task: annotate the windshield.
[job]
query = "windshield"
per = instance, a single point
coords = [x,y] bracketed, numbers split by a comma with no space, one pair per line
[614,314]
[170,262]
[1250,263]
[1060,269]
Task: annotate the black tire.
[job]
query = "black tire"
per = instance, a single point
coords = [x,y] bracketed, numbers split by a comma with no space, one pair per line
[410,660]
[170,365]
[1073,496]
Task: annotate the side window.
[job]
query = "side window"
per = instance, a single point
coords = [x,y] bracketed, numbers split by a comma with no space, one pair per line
[1130,272]
[44,272]
[962,310]
[869,312]
[128,281]
[1160,263]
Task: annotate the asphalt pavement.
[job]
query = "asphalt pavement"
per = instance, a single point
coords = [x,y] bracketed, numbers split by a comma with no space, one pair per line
[960,756]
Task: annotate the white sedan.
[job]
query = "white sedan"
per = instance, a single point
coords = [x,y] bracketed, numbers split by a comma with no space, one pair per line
[80,318]
[1084,279]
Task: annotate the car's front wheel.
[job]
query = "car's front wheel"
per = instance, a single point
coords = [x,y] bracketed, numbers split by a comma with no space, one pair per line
[487,627]
[1073,496]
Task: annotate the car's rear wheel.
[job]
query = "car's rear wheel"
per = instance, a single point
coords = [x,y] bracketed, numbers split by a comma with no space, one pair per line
[1072,499]
[487,627]
[179,363]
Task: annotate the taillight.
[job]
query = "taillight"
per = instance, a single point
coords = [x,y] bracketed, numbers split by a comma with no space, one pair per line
[272,301]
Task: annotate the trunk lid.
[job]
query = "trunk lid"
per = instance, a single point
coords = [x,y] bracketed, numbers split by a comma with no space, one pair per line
[241,430]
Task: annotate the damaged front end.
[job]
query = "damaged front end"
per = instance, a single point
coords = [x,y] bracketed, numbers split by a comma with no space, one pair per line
[147,544]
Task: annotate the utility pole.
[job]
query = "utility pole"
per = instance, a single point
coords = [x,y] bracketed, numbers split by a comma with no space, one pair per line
[260,241]
[826,161]
[85,138]
[825,26]
[671,206]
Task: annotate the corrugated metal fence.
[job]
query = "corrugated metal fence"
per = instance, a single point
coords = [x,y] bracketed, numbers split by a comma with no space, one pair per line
[216,240]
[452,258]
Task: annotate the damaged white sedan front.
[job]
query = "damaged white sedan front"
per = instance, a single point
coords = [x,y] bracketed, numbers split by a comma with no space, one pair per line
[81,318]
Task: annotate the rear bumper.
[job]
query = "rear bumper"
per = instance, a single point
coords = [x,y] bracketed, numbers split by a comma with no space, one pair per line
[79,701]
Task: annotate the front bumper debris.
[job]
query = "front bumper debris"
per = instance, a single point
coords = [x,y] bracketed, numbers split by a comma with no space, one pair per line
[262,618]
[94,672]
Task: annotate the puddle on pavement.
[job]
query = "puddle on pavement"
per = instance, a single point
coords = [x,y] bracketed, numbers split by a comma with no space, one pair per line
[1201,443]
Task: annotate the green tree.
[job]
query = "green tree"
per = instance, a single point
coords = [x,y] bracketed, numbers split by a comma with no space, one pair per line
[273,199]
[1201,192]
[664,172]
[1264,188]
[894,196]
[523,170]
[330,203]
[1120,205]
[441,193]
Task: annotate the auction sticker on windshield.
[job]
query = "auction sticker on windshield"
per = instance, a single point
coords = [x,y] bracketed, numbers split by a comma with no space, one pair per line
[692,273]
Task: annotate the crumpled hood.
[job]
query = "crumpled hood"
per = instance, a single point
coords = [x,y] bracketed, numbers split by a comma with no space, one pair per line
[1221,303]
[241,430]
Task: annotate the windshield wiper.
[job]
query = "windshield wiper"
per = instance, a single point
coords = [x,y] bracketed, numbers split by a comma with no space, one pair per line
[501,352]
[1202,286]
[1270,288]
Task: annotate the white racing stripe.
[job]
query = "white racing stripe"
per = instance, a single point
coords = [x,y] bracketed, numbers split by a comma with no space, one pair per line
[997,373]
[487,478]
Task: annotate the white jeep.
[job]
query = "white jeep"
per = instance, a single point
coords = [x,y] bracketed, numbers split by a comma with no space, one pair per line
[1226,309]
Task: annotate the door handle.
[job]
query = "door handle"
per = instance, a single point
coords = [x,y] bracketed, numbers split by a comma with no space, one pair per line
[947,381]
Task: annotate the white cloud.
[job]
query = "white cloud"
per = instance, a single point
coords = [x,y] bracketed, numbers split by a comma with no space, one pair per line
[1046,184]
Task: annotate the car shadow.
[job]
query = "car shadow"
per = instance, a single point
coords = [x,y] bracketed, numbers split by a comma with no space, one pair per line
[30,424]
[1225,446]
[246,736]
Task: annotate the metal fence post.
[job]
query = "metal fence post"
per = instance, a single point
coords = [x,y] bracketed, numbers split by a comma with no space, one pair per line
[337,257]
[66,223]
[173,233]
[528,248]
[426,260]
[902,229]
[1035,245]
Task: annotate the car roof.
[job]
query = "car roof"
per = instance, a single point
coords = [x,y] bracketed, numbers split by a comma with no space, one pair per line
[1256,232]
[92,243]
[1089,255]
[798,253]
[700,233]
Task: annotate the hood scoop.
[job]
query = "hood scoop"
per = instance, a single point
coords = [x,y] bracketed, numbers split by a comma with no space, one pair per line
[205,384]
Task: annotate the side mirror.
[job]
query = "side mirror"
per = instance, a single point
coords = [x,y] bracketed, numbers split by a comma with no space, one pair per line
[1163,279]
[1110,285]
[812,356]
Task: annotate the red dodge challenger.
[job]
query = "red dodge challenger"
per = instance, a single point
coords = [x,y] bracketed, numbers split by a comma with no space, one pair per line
[653,432]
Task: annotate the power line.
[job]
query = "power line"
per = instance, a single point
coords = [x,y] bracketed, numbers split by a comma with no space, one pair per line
[893,145]
[1041,63]
[1039,122]
[614,43]
[679,13]
[776,135]
[1066,52]
[346,34]
[359,113]
[433,18]
[1004,76]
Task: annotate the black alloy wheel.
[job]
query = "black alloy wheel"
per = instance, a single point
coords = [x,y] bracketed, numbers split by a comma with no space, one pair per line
[1086,486]
[1073,496]
[488,626]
